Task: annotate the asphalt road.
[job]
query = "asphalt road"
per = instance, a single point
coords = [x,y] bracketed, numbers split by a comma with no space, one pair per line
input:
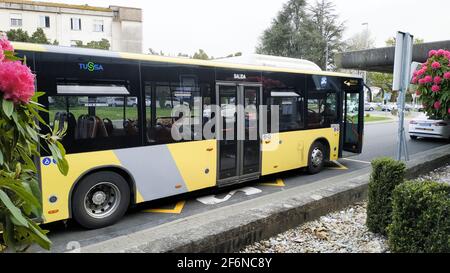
[379,140]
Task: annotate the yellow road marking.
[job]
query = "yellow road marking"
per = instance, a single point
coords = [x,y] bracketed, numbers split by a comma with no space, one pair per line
[278,183]
[176,210]
[340,166]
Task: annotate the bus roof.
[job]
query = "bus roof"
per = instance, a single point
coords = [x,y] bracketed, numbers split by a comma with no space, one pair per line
[155,58]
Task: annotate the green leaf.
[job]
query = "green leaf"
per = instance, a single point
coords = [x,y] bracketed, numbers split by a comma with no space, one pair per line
[8,233]
[37,95]
[15,211]
[36,114]
[39,236]
[1,158]
[8,107]
[61,149]
[28,161]
[38,106]
[18,188]
[32,133]
[55,151]
[63,166]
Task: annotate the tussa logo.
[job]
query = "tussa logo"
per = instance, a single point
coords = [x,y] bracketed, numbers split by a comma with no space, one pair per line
[91,67]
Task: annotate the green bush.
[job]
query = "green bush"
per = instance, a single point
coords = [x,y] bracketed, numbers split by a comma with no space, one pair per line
[420,218]
[386,175]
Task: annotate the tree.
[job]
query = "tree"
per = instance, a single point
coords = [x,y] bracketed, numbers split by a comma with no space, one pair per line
[18,35]
[200,55]
[359,41]
[38,37]
[308,32]
[326,33]
[391,41]
[286,32]
[102,44]
[154,52]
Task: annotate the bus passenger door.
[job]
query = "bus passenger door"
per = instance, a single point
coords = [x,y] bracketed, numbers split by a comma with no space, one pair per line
[353,127]
[239,144]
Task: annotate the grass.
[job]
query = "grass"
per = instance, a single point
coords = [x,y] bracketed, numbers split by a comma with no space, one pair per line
[375,118]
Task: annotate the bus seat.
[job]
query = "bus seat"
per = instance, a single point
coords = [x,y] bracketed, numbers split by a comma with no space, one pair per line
[101,128]
[68,117]
[109,126]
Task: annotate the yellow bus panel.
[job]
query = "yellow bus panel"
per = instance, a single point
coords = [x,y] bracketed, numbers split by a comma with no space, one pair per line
[287,151]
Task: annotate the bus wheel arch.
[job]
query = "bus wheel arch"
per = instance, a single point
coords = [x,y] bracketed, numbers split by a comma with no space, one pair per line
[120,179]
[326,145]
[317,156]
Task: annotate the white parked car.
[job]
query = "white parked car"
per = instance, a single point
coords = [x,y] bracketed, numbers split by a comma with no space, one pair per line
[429,128]
[388,107]
[371,106]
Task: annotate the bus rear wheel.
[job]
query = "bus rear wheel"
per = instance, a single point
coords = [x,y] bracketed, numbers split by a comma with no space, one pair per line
[316,158]
[101,199]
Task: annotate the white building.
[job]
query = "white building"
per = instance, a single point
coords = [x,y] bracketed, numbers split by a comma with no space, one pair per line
[67,24]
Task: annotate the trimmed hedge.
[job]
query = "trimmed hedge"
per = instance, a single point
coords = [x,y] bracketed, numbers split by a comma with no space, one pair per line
[386,175]
[420,218]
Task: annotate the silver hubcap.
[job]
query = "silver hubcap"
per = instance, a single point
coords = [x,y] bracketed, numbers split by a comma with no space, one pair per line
[317,157]
[102,200]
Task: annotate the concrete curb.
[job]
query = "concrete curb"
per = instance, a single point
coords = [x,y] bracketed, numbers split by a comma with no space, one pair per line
[231,228]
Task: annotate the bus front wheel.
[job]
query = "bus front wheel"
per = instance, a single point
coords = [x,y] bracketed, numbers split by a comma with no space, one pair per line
[316,159]
[100,199]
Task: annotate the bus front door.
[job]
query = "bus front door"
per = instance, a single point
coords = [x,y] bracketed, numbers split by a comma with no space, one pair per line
[238,123]
[353,121]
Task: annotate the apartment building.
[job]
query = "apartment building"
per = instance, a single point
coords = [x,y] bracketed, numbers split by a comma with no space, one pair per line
[67,23]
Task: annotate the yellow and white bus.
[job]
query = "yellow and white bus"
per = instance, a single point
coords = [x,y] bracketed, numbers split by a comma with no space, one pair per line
[121,149]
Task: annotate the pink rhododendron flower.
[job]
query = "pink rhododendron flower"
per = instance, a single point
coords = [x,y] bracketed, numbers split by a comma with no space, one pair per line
[422,81]
[428,79]
[415,73]
[432,53]
[420,72]
[436,65]
[437,105]
[447,75]
[5,44]
[418,93]
[440,52]
[16,82]
[2,55]
[435,88]
[437,80]
[414,80]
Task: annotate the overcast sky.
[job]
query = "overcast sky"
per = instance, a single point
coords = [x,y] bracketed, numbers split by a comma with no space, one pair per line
[221,27]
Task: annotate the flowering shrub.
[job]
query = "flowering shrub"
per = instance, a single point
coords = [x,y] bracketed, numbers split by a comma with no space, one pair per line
[19,142]
[17,82]
[433,81]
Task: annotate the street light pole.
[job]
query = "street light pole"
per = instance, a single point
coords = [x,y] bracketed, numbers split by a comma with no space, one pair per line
[366,36]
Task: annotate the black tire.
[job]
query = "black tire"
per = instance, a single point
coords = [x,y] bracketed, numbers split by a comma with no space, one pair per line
[413,137]
[316,167]
[371,109]
[95,183]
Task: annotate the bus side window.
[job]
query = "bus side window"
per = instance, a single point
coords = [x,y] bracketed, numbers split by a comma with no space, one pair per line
[94,117]
[290,107]
[322,101]
[169,100]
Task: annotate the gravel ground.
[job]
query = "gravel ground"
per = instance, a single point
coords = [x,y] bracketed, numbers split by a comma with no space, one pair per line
[338,232]
[440,175]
